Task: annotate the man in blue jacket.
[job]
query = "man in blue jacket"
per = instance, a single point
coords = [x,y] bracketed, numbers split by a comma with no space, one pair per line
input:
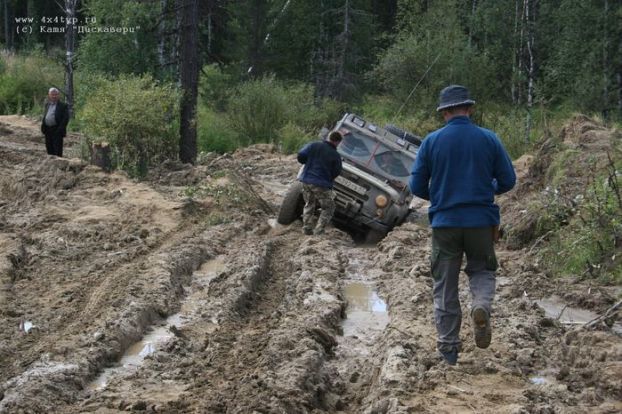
[322,165]
[460,168]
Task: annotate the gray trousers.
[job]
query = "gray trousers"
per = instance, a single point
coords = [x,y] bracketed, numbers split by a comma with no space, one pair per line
[448,246]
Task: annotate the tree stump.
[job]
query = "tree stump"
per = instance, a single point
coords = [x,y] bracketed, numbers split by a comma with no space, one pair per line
[100,156]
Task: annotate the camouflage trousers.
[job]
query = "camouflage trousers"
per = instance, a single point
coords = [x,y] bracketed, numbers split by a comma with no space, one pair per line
[317,196]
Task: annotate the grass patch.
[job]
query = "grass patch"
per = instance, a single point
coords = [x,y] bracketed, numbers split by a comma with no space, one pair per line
[214,134]
[25,80]
[588,240]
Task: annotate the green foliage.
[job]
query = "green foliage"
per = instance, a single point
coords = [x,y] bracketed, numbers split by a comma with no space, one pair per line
[85,83]
[213,132]
[581,48]
[590,245]
[436,41]
[137,117]
[25,80]
[330,43]
[214,86]
[117,53]
[259,109]
[292,138]
[509,123]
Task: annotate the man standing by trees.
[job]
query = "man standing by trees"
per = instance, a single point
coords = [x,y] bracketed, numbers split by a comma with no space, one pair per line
[54,123]
[322,165]
[460,168]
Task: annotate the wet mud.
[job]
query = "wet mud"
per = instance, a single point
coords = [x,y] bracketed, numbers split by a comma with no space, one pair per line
[180,294]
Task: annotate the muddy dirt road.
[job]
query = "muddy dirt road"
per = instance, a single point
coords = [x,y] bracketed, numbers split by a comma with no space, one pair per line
[179,294]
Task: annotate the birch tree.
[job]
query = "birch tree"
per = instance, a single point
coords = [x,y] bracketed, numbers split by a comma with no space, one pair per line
[70,42]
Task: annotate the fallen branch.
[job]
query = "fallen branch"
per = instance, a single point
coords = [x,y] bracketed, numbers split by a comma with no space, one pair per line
[540,239]
[561,312]
[456,388]
[604,316]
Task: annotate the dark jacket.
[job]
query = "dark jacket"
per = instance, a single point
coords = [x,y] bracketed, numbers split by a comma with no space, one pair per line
[61,115]
[460,168]
[322,164]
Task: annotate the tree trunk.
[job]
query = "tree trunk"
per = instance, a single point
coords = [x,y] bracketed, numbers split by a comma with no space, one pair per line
[100,156]
[473,9]
[161,29]
[619,78]
[189,74]
[516,61]
[7,26]
[209,32]
[255,46]
[530,21]
[318,59]
[345,41]
[339,76]
[606,61]
[70,41]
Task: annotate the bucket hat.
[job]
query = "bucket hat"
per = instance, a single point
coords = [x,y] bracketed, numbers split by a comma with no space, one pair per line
[454,95]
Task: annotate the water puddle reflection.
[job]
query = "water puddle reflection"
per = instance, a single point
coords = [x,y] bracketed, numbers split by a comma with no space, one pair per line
[135,355]
[366,311]
[555,308]
[26,326]
[539,380]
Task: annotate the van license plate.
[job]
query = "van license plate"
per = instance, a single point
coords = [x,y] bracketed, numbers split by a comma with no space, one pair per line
[349,184]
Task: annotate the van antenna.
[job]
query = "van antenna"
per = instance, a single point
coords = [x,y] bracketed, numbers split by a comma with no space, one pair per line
[415,88]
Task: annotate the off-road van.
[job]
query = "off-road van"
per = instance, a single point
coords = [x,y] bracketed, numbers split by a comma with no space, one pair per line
[371,194]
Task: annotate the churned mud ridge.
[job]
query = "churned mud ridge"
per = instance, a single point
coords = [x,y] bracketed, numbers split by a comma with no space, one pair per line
[267,326]
[267,356]
[117,313]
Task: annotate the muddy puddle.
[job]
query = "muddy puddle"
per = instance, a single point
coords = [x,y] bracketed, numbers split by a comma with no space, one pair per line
[555,308]
[136,354]
[366,311]
[26,326]
[545,377]
[159,335]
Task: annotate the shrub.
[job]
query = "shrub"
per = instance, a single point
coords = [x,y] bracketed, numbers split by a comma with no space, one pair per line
[259,109]
[214,87]
[85,83]
[137,117]
[25,80]
[214,133]
[292,138]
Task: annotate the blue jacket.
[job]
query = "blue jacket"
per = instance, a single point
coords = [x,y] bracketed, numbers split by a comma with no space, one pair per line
[322,164]
[460,168]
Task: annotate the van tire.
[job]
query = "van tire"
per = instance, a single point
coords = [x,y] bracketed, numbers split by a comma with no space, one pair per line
[292,205]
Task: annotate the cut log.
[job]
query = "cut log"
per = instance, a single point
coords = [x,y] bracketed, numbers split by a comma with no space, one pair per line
[100,156]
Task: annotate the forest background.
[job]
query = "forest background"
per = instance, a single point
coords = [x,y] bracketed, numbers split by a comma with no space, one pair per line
[279,70]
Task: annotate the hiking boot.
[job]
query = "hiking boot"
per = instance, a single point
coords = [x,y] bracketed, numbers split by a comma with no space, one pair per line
[481,327]
[308,232]
[318,232]
[451,357]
